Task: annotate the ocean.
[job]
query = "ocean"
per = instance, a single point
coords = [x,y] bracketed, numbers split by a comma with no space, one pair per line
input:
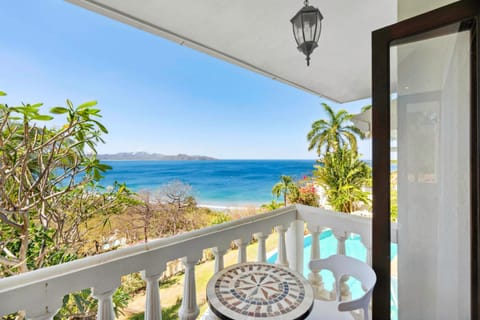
[216,183]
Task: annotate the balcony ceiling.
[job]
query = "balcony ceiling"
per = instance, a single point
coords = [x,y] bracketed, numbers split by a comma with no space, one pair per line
[257,35]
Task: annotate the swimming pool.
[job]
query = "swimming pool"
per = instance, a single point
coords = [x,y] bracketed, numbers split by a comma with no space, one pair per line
[353,248]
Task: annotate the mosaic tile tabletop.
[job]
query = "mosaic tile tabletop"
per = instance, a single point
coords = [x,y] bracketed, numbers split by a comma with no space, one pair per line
[256,290]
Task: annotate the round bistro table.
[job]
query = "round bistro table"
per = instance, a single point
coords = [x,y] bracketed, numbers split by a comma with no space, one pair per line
[255,290]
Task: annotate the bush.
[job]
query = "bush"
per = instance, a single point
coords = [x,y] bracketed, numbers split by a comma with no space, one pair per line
[306,193]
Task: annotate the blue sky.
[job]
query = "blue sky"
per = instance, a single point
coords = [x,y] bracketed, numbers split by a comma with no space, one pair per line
[155,95]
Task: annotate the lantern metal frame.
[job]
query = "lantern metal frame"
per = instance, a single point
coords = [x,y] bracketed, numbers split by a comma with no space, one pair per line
[303,45]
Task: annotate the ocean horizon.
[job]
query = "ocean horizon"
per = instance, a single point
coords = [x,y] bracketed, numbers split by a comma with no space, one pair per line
[217,184]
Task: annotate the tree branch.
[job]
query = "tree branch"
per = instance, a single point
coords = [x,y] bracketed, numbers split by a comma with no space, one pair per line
[4,218]
[8,262]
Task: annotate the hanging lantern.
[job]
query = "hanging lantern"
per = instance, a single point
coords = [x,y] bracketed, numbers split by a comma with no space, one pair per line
[307,25]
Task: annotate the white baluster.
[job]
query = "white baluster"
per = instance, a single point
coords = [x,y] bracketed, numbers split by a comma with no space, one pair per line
[295,243]
[105,304]
[282,248]
[189,308]
[341,237]
[219,265]
[262,248]
[153,309]
[345,293]
[219,261]
[242,250]
[314,276]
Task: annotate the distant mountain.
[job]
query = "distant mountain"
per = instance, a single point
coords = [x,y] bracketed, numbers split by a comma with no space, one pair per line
[150,156]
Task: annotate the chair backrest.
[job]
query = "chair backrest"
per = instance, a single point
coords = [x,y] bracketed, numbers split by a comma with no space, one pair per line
[341,265]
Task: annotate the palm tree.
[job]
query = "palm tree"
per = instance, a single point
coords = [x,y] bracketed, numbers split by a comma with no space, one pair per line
[342,175]
[333,133]
[285,186]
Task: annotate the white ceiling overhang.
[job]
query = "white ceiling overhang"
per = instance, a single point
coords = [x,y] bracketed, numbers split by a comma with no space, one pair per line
[257,35]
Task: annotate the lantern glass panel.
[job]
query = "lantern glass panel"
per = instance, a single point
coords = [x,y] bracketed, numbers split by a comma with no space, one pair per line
[297,30]
[309,25]
[319,28]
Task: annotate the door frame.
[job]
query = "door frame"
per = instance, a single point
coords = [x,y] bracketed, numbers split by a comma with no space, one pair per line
[428,25]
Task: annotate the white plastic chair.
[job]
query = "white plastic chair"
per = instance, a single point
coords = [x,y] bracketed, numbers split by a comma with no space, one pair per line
[343,266]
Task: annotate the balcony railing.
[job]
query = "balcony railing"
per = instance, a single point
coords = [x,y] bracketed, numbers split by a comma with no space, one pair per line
[40,293]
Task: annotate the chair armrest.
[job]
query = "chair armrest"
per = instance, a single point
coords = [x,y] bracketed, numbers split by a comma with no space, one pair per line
[360,303]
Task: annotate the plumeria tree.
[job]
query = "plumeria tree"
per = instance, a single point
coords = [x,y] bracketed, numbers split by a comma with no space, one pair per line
[41,168]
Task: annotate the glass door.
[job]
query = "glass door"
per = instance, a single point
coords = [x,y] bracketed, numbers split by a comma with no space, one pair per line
[425,151]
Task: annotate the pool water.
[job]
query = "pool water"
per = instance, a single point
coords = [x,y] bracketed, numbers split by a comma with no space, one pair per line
[354,248]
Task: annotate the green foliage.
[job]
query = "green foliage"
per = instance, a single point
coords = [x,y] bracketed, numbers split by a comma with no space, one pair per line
[393,197]
[170,313]
[49,191]
[343,175]
[76,213]
[219,218]
[82,303]
[40,245]
[334,133]
[169,282]
[273,205]
[284,187]
[77,303]
[40,168]
[120,299]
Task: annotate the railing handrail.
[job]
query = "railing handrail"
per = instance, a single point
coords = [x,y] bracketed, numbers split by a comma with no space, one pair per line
[42,289]
[342,222]
[156,244]
[84,273]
